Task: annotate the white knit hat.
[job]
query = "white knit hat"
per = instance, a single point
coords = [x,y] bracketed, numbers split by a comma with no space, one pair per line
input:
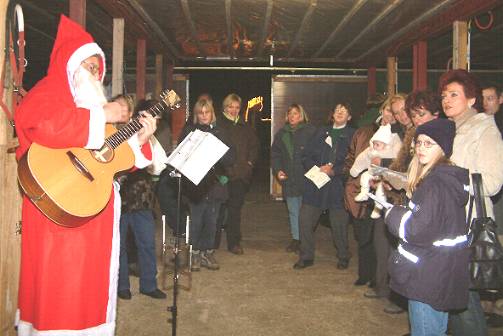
[383,134]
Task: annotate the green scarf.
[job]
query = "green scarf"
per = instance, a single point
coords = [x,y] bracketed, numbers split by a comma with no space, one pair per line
[287,137]
[334,134]
[231,118]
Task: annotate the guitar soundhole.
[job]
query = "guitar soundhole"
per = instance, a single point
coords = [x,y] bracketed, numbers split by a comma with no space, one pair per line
[105,154]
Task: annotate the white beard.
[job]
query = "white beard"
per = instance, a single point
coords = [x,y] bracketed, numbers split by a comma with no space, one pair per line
[89,91]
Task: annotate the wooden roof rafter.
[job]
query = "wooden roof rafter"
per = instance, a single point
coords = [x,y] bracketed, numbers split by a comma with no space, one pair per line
[305,21]
[265,28]
[192,27]
[352,12]
[461,10]
[370,26]
[229,27]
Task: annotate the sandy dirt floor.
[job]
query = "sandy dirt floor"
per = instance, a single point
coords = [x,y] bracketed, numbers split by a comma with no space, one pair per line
[259,293]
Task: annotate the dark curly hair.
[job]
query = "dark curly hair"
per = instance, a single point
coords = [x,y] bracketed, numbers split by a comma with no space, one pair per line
[467,80]
[330,118]
[423,99]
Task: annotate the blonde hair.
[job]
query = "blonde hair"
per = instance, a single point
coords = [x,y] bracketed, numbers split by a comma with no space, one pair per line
[386,103]
[231,98]
[396,97]
[198,107]
[302,112]
[128,99]
[417,171]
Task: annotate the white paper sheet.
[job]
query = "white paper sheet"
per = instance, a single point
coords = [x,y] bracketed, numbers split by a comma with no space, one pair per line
[318,177]
[196,154]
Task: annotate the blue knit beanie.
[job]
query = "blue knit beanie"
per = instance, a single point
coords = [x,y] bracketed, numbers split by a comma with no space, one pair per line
[442,131]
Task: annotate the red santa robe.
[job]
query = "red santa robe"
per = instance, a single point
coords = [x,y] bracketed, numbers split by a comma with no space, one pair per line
[68,281]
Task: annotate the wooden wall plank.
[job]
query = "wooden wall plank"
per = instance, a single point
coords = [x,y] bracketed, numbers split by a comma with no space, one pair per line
[118,57]
[10,209]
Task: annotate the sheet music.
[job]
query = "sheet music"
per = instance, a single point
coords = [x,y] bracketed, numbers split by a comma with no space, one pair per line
[396,179]
[318,177]
[381,201]
[196,154]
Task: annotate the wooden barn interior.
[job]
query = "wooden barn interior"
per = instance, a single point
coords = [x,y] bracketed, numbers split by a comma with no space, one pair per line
[336,49]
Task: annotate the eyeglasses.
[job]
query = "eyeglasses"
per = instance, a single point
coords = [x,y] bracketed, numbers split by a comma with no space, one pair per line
[94,69]
[425,143]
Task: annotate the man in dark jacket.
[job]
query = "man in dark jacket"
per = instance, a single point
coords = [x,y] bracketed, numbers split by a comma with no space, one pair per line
[245,142]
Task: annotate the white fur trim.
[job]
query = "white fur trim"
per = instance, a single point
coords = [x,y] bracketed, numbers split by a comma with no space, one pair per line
[26,329]
[97,122]
[140,161]
[85,51]
[114,258]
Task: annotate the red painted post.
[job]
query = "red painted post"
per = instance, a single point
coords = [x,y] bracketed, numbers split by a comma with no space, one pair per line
[419,66]
[371,81]
[78,12]
[141,65]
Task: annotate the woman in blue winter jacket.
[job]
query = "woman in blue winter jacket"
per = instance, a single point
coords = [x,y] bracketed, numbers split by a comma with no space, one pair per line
[430,266]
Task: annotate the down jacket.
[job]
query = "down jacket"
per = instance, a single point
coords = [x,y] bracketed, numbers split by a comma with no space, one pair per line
[431,262]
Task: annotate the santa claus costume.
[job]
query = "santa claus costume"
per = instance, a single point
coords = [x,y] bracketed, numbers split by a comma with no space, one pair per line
[68,281]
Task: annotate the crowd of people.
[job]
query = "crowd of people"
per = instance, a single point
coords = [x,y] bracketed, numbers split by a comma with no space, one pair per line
[436,140]
[411,231]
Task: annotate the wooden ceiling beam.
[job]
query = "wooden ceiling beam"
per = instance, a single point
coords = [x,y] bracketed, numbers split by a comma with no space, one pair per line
[305,21]
[340,26]
[192,27]
[228,22]
[411,26]
[370,26]
[265,28]
[461,10]
[140,25]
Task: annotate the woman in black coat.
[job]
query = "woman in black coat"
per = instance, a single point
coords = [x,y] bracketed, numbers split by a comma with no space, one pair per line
[286,161]
[206,198]
[430,266]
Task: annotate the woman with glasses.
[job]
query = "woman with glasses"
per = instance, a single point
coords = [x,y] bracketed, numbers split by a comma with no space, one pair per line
[430,265]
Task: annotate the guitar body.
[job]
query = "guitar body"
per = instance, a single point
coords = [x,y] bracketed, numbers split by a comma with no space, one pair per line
[72,185]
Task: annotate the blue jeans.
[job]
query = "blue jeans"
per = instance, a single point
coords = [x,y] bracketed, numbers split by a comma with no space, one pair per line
[470,322]
[143,226]
[293,204]
[426,321]
[203,224]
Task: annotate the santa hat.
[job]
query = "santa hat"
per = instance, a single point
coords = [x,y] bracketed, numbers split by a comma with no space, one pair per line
[72,45]
[383,134]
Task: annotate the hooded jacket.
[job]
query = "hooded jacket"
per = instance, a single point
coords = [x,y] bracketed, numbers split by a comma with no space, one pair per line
[68,276]
[431,263]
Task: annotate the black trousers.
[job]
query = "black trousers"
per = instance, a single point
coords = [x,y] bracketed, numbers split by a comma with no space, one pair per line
[230,214]
[363,230]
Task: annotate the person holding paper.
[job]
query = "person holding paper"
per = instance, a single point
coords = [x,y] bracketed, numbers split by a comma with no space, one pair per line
[286,163]
[206,197]
[246,145]
[327,150]
[430,266]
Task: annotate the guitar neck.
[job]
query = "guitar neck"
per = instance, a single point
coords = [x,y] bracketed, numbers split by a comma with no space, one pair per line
[133,126]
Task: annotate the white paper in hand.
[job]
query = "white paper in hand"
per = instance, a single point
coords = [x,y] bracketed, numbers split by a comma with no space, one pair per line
[318,177]
[381,201]
[196,154]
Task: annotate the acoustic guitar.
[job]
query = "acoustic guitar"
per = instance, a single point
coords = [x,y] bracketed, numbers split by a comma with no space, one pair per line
[72,185]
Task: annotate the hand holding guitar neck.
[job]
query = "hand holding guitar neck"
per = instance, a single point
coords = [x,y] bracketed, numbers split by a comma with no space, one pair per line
[149,126]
